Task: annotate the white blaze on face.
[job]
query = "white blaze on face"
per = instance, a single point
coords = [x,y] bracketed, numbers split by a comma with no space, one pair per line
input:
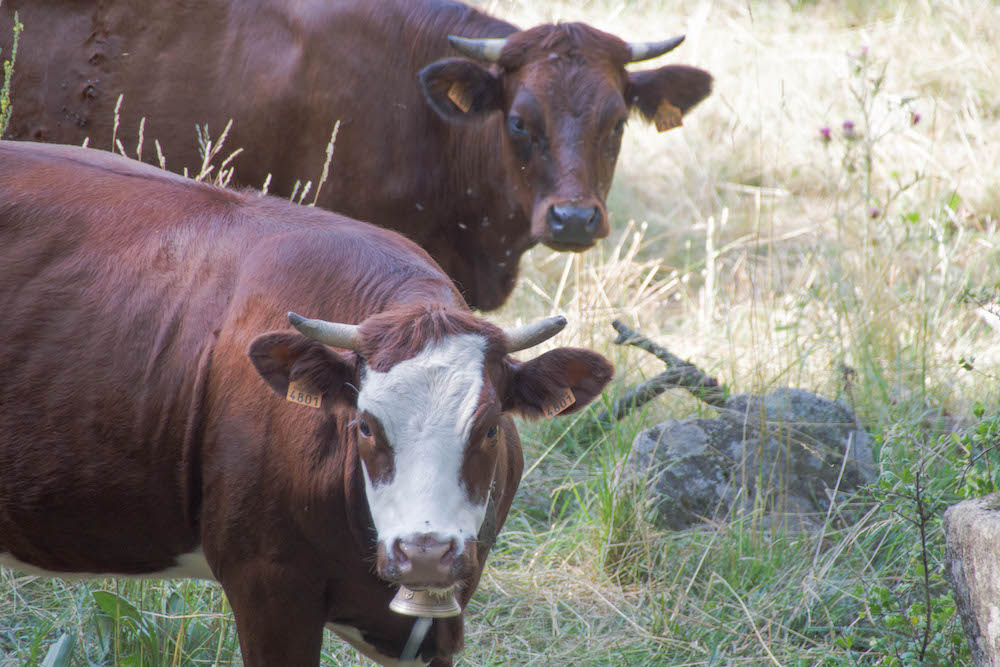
[426,406]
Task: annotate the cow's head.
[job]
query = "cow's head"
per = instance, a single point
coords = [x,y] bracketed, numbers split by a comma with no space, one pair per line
[565,95]
[428,387]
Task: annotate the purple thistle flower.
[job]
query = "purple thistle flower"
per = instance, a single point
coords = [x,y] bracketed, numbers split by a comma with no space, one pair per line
[914,118]
[824,134]
[848,127]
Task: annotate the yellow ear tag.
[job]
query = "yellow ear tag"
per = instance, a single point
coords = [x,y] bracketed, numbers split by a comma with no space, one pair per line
[667,117]
[560,403]
[460,96]
[299,393]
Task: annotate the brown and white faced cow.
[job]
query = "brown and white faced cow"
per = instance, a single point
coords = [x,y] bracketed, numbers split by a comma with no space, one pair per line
[430,391]
[475,158]
[137,437]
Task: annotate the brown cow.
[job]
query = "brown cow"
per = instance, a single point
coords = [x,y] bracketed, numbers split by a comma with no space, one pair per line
[476,160]
[141,312]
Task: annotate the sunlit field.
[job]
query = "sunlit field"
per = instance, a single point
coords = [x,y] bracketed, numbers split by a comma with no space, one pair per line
[826,219]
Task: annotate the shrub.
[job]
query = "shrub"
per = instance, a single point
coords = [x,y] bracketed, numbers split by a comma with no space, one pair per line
[8,74]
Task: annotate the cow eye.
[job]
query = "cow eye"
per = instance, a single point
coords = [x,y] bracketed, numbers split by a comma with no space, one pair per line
[517,125]
[492,433]
[364,428]
[619,126]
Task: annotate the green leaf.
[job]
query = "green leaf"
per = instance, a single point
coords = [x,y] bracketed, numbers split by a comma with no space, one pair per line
[117,607]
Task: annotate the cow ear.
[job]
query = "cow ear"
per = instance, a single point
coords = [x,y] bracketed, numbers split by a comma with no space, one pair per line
[283,358]
[461,90]
[663,95]
[560,381]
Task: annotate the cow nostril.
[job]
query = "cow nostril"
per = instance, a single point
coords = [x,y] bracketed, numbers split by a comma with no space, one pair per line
[448,557]
[401,555]
[555,219]
[595,218]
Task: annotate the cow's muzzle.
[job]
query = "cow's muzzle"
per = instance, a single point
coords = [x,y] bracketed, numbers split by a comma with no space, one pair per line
[574,227]
[424,561]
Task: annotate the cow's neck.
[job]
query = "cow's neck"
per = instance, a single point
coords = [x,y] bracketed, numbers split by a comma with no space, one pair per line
[477,245]
[481,244]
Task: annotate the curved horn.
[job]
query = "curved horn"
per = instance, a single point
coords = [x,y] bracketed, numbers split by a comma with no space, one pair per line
[647,50]
[533,333]
[487,49]
[334,334]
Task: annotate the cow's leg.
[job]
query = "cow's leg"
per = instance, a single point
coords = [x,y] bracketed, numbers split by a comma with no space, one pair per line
[279,616]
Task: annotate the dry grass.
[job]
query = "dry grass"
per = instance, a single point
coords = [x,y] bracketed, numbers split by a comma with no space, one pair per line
[798,270]
[768,256]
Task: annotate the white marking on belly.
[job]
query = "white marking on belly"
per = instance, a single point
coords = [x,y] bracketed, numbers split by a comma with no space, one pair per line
[188,566]
[352,636]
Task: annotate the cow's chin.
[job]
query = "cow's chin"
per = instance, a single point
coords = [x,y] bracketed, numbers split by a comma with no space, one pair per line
[568,247]
[439,592]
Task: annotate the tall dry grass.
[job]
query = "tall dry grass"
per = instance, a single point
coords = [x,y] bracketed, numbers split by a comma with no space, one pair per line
[779,252]
[826,220]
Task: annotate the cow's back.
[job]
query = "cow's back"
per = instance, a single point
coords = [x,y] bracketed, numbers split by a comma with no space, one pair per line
[285,72]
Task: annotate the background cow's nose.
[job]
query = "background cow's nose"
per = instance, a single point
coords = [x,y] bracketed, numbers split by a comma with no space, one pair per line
[574,225]
[425,560]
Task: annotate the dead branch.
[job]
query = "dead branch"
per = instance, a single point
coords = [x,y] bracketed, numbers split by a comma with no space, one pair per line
[679,374]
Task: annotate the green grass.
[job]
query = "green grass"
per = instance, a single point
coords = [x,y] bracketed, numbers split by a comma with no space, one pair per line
[862,268]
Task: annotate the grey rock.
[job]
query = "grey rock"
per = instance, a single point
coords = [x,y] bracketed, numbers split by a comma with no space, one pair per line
[790,449]
[687,475]
[972,559]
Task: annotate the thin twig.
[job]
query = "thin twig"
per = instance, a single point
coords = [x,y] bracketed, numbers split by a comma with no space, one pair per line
[679,374]
[922,522]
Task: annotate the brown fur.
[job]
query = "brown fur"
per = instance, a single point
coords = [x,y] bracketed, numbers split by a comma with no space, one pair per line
[570,42]
[406,158]
[135,428]
[391,337]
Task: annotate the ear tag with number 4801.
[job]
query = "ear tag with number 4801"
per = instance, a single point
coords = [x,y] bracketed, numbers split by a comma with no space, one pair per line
[299,393]
[559,403]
